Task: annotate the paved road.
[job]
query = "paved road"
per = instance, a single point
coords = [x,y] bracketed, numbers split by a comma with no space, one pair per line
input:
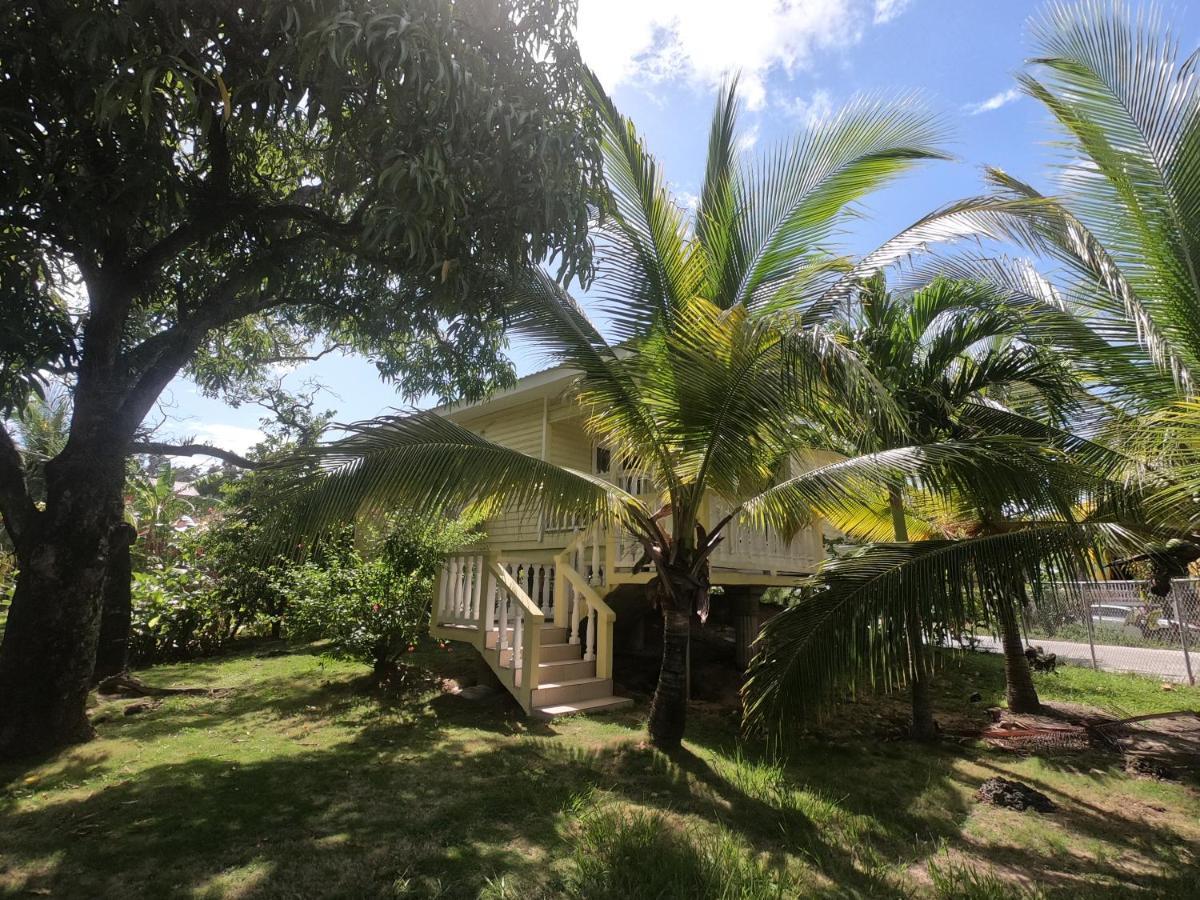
[1165,664]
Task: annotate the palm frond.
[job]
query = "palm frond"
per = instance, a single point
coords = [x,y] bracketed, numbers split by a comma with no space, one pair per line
[542,311]
[1114,81]
[717,210]
[849,632]
[647,264]
[793,199]
[994,471]
[427,462]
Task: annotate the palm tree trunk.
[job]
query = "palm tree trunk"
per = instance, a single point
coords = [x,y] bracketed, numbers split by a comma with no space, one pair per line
[668,709]
[923,727]
[1021,694]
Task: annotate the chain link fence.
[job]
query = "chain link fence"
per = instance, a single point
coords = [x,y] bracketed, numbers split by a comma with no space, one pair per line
[1119,626]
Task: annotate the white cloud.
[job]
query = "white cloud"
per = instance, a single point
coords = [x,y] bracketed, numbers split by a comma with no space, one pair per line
[809,110]
[886,10]
[747,139]
[237,438]
[994,102]
[685,198]
[642,42]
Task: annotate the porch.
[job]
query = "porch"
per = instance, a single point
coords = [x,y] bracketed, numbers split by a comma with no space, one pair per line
[537,611]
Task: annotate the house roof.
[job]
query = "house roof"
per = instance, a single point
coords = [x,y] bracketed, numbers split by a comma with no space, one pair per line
[546,383]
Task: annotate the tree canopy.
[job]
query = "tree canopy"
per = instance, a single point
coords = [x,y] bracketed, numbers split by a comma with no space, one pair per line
[208,184]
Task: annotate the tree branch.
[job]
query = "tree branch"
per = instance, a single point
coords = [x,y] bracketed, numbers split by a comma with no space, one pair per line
[16,505]
[160,449]
[160,357]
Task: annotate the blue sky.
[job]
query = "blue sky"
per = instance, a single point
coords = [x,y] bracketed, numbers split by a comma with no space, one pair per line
[663,60]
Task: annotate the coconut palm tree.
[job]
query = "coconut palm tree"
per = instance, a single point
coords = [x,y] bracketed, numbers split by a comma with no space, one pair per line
[942,350]
[41,431]
[1117,254]
[713,373]
[962,362]
[850,631]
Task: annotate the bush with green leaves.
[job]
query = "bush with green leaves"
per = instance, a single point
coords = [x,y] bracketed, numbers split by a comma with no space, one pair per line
[8,575]
[371,598]
[177,612]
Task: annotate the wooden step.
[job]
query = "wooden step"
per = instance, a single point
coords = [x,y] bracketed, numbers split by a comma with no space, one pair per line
[555,671]
[551,634]
[556,652]
[572,690]
[595,705]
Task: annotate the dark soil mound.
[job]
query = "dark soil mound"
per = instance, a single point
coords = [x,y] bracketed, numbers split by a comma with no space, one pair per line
[1013,795]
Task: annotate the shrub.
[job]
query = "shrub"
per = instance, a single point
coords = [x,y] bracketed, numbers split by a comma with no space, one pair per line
[176,612]
[372,604]
[8,575]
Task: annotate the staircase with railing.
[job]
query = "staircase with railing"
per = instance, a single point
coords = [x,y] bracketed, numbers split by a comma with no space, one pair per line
[544,630]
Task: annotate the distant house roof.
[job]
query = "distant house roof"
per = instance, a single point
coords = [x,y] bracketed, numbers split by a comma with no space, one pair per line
[185,489]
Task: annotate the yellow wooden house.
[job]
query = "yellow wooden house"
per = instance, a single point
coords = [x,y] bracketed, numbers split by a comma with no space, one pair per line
[532,600]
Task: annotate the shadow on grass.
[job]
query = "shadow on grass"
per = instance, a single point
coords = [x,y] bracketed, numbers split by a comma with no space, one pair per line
[418,807]
[447,797]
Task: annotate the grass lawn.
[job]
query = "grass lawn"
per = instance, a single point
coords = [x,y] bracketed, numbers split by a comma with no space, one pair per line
[295,784]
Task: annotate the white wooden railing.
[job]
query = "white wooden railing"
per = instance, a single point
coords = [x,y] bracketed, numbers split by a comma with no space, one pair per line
[742,540]
[478,597]
[579,569]
[535,578]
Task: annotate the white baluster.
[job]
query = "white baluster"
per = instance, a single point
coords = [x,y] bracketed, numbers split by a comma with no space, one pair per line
[569,599]
[480,586]
[593,618]
[502,639]
[456,589]
[464,578]
[489,614]
[443,590]
[596,555]
[518,641]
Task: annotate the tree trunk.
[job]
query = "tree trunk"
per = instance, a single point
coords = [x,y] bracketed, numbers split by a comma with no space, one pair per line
[112,649]
[668,710]
[49,648]
[1021,694]
[923,726]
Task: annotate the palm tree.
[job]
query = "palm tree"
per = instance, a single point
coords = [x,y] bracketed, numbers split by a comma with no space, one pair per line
[715,372]
[41,431]
[961,363]
[945,349]
[851,630]
[1120,242]
[1118,258]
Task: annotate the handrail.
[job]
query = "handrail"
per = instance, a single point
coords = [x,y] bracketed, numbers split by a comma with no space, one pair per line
[477,598]
[513,586]
[599,646]
[527,638]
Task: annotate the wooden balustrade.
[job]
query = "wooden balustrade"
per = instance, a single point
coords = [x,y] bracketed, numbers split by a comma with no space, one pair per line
[583,566]
[588,607]
[478,595]
[536,579]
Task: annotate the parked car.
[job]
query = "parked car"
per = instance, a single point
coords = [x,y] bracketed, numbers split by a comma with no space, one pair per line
[1144,621]
[1119,618]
